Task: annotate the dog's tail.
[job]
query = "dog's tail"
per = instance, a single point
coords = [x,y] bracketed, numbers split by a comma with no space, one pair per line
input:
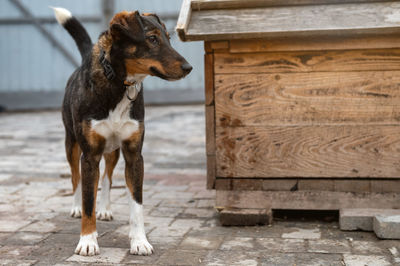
[75,28]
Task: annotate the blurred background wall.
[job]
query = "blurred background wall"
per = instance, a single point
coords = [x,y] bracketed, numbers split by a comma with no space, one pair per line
[37,55]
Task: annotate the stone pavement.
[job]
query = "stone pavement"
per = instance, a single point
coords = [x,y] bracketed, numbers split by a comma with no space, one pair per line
[181,223]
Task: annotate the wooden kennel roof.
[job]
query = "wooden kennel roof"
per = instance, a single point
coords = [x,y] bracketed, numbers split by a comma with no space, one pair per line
[244,19]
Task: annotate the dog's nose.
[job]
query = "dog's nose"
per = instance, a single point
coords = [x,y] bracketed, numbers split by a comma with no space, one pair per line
[186,67]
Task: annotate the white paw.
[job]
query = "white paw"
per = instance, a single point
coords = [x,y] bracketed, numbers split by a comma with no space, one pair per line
[104,215]
[87,245]
[141,247]
[76,212]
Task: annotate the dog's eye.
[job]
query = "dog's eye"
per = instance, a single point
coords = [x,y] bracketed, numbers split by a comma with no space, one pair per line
[153,39]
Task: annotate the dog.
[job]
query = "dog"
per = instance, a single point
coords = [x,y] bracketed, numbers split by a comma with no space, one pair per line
[103,113]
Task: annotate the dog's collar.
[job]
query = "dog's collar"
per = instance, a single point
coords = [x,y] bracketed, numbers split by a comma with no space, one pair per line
[108,70]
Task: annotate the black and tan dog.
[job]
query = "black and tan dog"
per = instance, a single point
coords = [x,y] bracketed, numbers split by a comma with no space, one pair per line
[103,112]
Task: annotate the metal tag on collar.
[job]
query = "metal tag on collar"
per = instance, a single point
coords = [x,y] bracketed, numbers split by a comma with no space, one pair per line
[108,70]
[137,90]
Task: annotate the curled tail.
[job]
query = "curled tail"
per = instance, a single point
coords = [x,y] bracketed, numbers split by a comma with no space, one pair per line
[75,28]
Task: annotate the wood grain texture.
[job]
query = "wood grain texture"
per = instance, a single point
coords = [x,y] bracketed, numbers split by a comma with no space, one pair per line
[350,19]
[316,61]
[211,171]
[308,151]
[310,184]
[209,78]
[183,19]
[305,200]
[228,4]
[322,43]
[308,98]
[210,130]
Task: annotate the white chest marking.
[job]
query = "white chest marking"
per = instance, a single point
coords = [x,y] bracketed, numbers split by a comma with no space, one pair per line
[118,126]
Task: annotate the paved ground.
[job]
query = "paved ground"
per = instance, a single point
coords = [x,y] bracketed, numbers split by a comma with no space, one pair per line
[35,200]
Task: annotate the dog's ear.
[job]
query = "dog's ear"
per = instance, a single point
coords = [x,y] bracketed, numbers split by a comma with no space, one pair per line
[127,25]
[157,18]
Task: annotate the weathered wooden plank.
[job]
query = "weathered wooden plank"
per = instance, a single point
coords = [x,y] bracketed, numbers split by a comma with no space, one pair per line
[355,185]
[228,4]
[247,184]
[280,184]
[322,43]
[293,62]
[310,184]
[220,45]
[382,186]
[371,97]
[223,184]
[211,171]
[344,19]
[209,78]
[308,151]
[305,200]
[318,185]
[210,130]
[183,19]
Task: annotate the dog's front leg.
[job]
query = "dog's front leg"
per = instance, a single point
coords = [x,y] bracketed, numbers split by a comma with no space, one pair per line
[132,149]
[88,245]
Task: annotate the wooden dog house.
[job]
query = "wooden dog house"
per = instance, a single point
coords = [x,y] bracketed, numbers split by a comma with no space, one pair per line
[302,103]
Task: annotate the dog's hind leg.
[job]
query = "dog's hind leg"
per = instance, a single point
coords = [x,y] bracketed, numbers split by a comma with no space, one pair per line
[73,152]
[104,209]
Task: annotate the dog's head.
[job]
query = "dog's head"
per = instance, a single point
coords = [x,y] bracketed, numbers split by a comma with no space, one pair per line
[143,42]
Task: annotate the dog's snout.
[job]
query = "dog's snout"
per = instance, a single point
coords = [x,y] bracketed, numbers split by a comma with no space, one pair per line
[186,67]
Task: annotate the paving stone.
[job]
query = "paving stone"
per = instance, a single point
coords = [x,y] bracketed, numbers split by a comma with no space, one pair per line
[17,262]
[278,259]
[52,252]
[361,219]
[123,230]
[4,236]
[166,212]
[200,213]
[334,233]
[198,242]
[316,259]
[222,258]
[259,231]
[164,242]
[15,252]
[205,194]
[238,243]
[281,245]
[367,247]
[169,231]
[41,227]
[175,195]
[396,254]
[183,257]
[329,246]
[303,233]
[26,238]
[4,207]
[146,260]
[387,227]
[107,255]
[12,225]
[363,260]
[187,223]
[115,240]
[206,203]
[214,231]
